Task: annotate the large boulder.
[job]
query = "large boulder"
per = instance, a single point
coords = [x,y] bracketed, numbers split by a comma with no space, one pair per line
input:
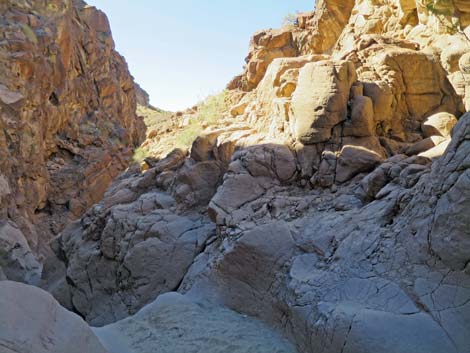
[320,101]
[252,172]
[33,322]
[125,251]
[265,46]
[450,232]
[440,124]
[354,160]
[17,262]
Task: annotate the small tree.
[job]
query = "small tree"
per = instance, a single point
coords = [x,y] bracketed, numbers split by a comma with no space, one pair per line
[291,20]
[442,9]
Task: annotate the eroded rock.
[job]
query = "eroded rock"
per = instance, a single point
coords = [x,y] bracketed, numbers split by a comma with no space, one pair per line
[33,321]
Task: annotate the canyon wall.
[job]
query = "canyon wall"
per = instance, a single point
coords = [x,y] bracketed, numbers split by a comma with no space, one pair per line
[67,122]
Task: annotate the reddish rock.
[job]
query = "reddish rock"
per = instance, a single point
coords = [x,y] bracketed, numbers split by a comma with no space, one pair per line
[67,114]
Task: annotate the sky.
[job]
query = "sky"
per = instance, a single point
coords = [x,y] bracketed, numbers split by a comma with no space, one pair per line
[180,51]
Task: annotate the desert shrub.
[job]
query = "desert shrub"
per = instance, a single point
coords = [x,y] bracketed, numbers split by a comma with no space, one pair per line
[290,20]
[140,154]
[187,136]
[212,108]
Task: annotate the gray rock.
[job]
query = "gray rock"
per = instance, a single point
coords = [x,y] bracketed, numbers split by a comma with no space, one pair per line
[174,323]
[354,160]
[124,253]
[17,261]
[32,321]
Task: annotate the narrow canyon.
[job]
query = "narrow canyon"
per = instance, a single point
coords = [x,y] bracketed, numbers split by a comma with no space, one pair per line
[319,204]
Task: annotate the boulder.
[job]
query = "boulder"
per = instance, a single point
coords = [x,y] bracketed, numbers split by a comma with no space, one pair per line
[17,261]
[125,251]
[320,101]
[252,171]
[424,145]
[450,235]
[354,160]
[362,122]
[196,183]
[436,151]
[33,322]
[440,124]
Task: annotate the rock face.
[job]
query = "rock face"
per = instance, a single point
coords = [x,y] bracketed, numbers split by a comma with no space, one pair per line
[321,99]
[33,322]
[67,116]
[135,244]
[328,202]
[341,274]
[142,97]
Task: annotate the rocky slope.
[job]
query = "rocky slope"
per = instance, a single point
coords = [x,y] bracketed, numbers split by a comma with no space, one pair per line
[326,206]
[67,123]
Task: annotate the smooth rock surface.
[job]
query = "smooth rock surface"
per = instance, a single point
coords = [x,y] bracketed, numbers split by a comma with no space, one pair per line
[32,321]
[173,323]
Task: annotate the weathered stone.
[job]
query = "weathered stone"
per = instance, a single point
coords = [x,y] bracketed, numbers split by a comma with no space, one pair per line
[354,160]
[133,249]
[33,322]
[68,117]
[330,18]
[440,124]
[424,145]
[195,184]
[320,100]
[437,151]
[17,261]
[362,122]
[174,323]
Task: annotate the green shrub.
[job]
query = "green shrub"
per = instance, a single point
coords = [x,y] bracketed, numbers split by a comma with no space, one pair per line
[186,137]
[140,154]
[209,112]
[212,108]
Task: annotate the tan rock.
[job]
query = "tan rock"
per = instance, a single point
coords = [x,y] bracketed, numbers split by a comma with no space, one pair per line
[437,151]
[239,109]
[203,147]
[450,56]
[440,124]
[424,145]
[330,18]
[362,118]
[354,160]
[320,100]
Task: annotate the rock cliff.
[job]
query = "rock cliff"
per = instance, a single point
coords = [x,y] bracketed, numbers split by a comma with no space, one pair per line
[324,205]
[67,118]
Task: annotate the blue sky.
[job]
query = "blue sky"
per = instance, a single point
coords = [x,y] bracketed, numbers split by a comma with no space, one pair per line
[182,50]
